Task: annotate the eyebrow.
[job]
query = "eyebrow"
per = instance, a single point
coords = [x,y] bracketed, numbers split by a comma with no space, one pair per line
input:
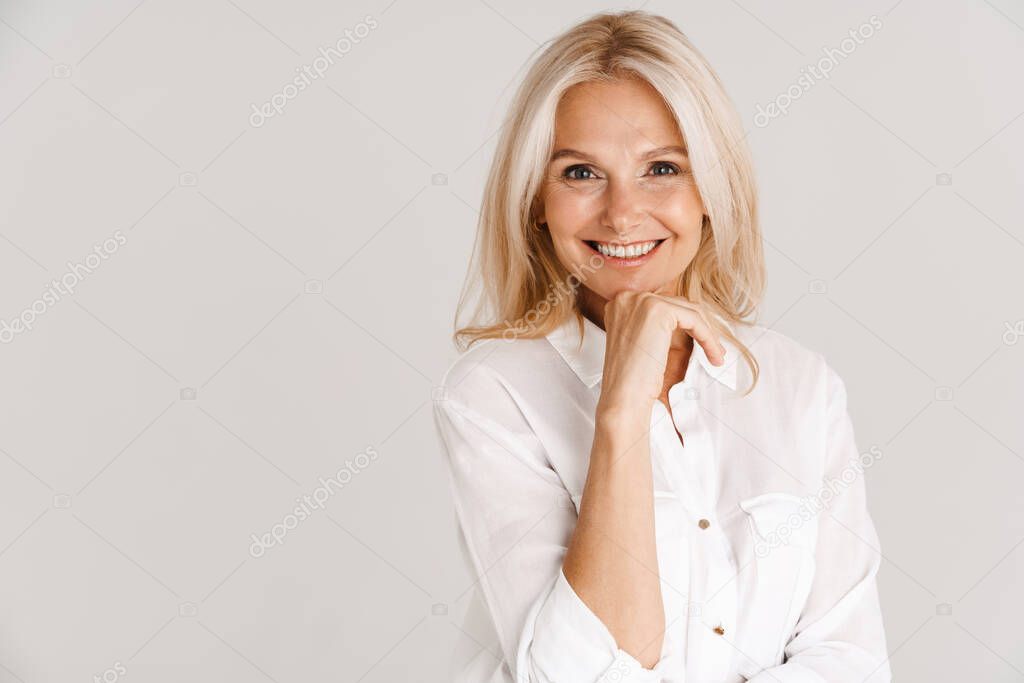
[657,151]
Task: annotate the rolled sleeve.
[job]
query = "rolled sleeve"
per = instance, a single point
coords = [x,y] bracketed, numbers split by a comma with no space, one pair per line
[516,520]
[570,643]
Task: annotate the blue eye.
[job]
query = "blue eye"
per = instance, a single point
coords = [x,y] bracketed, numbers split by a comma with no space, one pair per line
[567,173]
[570,173]
[665,164]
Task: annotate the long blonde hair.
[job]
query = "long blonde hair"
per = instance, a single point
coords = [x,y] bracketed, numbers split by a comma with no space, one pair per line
[515,264]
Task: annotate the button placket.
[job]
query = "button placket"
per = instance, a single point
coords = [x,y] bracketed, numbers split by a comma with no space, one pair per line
[694,459]
[717,632]
[716,571]
[674,560]
[723,579]
[662,444]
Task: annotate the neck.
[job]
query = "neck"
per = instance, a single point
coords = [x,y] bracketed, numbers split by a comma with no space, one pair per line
[592,306]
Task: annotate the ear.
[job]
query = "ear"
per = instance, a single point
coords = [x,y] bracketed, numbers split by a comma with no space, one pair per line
[539,215]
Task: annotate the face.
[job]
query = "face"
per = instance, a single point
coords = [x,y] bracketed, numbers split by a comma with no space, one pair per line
[619,186]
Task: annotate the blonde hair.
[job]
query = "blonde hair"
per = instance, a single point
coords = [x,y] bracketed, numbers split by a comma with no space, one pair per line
[516,263]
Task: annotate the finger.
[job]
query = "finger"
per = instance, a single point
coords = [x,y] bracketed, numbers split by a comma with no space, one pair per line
[687,304]
[693,320]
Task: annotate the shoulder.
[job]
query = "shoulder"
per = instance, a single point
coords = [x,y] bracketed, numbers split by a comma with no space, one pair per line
[784,362]
[495,385]
[799,388]
[499,376]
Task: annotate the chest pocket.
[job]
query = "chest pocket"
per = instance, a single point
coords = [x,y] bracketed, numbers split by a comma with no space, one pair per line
[783,534]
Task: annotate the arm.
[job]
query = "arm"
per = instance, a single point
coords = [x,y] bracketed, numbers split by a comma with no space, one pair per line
[612,560]
[840,635]
[516,519]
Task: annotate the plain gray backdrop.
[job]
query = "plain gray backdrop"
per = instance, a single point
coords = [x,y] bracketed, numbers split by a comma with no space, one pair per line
[270,297]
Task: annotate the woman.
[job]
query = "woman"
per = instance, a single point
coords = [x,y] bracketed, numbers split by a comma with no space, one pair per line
[648,487]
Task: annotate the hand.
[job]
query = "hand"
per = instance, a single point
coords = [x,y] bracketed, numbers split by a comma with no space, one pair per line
[640,328]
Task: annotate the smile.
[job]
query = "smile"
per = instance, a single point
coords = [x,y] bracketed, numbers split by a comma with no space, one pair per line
[634,250]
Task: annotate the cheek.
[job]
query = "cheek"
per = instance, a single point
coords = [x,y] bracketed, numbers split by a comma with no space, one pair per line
[568,249]
[570,211]
[683,210]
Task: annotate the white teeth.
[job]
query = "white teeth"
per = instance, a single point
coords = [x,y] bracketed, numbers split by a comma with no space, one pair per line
[631,251]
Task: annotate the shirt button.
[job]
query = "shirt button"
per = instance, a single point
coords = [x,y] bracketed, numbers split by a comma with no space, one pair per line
[703,524]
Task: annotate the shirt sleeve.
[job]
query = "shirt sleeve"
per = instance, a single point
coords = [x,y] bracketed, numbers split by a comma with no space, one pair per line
[516,518]
[840,636]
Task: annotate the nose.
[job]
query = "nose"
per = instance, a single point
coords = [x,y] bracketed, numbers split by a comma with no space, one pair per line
[625,208]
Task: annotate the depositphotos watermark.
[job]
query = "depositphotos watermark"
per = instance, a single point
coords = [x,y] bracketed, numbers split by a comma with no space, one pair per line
[65,286]
[112,674]
[814,504]
[1014,332]
[309,503]
[559,291]
[311,72]
[814,73]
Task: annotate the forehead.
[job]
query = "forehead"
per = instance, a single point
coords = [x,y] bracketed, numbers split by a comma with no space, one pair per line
[610,114]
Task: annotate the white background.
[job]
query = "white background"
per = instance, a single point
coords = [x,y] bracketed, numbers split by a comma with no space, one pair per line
[199,380]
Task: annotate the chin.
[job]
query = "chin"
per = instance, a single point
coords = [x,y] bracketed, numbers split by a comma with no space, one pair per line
[609,290]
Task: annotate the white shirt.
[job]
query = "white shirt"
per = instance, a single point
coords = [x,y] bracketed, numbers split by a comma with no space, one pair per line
[767,555]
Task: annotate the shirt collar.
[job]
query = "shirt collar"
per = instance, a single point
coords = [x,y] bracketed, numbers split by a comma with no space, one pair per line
[587,360]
